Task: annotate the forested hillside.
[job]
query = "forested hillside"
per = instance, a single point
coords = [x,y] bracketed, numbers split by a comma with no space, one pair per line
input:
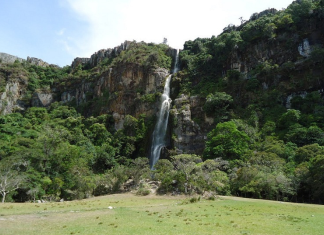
[247,116]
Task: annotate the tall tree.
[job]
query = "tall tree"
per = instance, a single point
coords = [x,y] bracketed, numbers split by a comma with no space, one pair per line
[226,141]
[10,177]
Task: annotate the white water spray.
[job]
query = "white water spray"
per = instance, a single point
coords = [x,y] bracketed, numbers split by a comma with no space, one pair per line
[160,129]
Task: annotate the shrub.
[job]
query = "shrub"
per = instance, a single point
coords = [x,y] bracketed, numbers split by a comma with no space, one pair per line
[143,190]
[217,105]
[194,199]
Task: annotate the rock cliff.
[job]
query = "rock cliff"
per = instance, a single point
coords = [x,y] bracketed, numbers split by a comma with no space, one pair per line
[123,90]
[11,98]
[278,60]
[190,124]
[6,58]
[14,79]
[100,55]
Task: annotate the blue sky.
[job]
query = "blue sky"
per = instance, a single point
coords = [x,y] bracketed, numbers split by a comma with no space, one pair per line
[57,31]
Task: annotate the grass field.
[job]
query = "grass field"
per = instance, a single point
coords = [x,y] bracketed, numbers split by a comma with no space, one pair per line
[161,215]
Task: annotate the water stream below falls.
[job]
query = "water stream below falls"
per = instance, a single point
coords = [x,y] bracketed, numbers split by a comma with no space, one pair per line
[160,129]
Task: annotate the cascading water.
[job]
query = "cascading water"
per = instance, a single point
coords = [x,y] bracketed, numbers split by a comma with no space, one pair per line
[160,129]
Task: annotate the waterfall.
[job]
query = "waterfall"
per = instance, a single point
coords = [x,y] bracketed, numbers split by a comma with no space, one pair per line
[161,125]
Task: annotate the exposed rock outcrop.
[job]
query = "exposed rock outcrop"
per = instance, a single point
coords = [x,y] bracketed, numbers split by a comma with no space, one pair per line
[191,125]
[78,61]
[10,99]
[36,61]
[121,91]
[100,55]
[42,99]
[6,58]
[256,16]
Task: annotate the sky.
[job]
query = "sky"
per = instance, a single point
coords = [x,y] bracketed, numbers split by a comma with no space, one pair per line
[57,31]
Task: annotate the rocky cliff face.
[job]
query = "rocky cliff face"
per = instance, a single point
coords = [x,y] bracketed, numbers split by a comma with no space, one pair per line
[100,55]
[124,90]
[38,62]
[14,95]
[190,124]
[42,99]
[11,98]
[281,62]
[109,53]
[133,89]
[6,58]
[10,59]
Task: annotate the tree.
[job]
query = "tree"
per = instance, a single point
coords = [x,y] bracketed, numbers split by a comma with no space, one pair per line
[84,181]
[48,142]
[99,134]
[300,10]
[10,177]
[245,182]
[268,129]
[217,105]
[104,158]
[308,152]
[139,169]
[317,177]
[212,178]
[242,20]
[185,164]
[289,118]
[164,172]
[226,141]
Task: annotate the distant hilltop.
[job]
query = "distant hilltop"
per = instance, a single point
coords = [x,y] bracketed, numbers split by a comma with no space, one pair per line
[6,58]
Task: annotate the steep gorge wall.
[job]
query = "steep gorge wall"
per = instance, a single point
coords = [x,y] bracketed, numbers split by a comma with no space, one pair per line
[120,91]
[131,89]
[190,124]
[293,73]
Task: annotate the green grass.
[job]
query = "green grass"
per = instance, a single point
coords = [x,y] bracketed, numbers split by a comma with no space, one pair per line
[161,215]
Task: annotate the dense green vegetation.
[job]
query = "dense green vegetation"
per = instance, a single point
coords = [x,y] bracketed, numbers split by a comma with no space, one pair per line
[207,61]
[149,55]
[264,143]
[256,147]
[59,153]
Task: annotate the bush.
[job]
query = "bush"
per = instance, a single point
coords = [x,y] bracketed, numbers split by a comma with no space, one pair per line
[226,141]
[143,190]
[194,199]
[217,104]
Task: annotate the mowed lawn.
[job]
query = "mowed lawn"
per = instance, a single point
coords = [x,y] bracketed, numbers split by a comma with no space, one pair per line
[161,215]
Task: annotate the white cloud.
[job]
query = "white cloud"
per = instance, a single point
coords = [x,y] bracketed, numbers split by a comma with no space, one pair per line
[182,20]
[110,22]
[61,32]
[65,45]
[100,25]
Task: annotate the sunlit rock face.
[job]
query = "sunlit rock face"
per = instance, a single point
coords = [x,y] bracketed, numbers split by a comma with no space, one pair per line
[37,62]
[42,99]
[10,98]
[121,91]
[100,55]
[190,124]
[6,58]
